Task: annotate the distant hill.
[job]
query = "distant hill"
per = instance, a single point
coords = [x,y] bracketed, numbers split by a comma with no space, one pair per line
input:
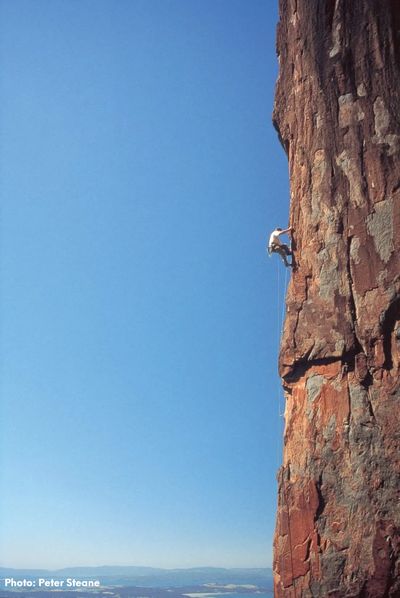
[150,576]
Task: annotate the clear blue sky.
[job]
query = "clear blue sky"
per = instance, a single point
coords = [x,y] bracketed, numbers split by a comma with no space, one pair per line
[140,177]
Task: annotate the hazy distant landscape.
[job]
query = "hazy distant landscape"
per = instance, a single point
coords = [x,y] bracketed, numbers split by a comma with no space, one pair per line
[144,582]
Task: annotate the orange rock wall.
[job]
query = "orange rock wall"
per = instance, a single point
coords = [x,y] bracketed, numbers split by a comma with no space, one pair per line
[337,111]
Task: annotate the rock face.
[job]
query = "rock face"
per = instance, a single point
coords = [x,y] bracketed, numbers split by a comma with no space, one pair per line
[337,110]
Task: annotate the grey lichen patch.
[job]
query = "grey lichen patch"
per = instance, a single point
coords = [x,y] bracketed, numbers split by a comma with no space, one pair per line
[382,278]
[336,41]
[382,118]
[350,169]
[329,275]
[354,247]
[340,346]
[347,98]
[361,91]
[313,387]
[294,18]
[357,396]
[317,120]
[337,384]
[382,122]
[380,227]
[330,278]
[345,109]
[393,141]
[349,111]
[332,218]
[339,202]
[329,431]
[318,171]
[318,348]
[359,404]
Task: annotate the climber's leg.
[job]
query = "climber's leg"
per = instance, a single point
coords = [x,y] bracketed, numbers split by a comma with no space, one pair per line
[283,251]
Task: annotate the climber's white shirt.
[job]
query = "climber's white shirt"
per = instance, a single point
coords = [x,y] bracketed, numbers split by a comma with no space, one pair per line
[274,238]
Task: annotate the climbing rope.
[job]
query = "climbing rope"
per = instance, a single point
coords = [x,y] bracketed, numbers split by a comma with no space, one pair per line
[284,300]
[280,324]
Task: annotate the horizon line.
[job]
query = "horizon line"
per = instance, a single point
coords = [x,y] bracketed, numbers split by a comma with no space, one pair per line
[137,567]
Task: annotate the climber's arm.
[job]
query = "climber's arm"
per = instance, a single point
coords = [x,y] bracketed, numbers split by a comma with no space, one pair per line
[286,231]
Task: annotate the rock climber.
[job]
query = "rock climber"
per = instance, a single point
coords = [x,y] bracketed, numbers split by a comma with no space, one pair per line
[275,245]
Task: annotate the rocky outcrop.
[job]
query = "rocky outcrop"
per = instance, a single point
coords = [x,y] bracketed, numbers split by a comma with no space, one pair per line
[337,111]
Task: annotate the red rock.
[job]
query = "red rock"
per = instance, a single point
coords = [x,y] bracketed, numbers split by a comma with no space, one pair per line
[337,112]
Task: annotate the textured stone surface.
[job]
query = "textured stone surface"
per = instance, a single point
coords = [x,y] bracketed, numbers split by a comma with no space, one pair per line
[337,111]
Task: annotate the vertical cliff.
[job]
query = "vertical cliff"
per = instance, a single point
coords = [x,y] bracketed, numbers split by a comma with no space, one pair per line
[337,110]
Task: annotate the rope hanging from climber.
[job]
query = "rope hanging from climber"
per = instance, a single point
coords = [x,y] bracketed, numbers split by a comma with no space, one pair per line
[275,245]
